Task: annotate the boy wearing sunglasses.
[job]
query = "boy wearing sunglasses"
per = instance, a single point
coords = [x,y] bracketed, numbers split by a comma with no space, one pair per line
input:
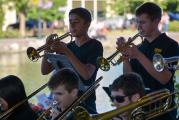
[126,89]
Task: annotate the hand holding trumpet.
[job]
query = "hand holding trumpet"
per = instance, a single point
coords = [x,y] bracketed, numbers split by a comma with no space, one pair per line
[59,47]
[49,41]
[127,51]
[50,46]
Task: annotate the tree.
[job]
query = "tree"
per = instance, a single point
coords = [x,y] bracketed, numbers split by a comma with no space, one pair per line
[1,14]
[21,8]
[25,9]
[129,6]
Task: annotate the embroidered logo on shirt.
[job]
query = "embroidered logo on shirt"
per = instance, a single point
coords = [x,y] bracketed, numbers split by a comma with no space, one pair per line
[157,50]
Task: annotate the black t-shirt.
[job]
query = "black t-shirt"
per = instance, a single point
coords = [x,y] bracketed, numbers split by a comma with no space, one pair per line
[88,54]
[23,113]
[167,48]
[162,45]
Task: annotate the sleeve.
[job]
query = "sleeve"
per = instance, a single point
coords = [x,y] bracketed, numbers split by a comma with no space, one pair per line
[172,50]
[95,52]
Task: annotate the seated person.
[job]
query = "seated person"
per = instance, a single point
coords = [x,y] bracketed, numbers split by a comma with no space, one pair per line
[125,89]
[64,85]
[11,93]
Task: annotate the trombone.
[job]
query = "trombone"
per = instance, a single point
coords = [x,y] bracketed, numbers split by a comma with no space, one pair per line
[9,111]
[104,63]
[160,63]
[157,103]
[34,54]
[79,100]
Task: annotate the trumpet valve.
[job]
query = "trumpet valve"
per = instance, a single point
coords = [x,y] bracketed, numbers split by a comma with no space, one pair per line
[103,64]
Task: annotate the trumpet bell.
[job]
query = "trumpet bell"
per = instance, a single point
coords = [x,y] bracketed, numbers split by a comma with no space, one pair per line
[32,54]
[103,64]
[158,62]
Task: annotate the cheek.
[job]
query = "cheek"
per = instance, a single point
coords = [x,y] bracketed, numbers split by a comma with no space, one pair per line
[121,104]
[57,98]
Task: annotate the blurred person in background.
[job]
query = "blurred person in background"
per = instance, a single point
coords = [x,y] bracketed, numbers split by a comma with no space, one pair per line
[165,21]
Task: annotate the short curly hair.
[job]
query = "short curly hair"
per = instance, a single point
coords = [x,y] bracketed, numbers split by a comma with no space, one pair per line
[130,83]
[151,9]
[66,77]
[82,12]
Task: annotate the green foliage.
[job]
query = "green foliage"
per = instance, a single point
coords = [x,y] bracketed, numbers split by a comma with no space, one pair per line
[129,6]
[47,14]
[21,5]
[1,14]
[9,34]
[173,26]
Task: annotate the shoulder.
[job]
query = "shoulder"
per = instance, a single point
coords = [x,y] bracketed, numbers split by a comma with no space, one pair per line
[169,40]
[96,43]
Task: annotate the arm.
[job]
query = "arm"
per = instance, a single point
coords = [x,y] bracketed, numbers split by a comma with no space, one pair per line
[126,66]
[163,77]
[46,67]
[84,70]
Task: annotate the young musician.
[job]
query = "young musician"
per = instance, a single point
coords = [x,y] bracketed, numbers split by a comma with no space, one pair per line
[139,58]
[64,85]
[126,89]
[11,93]
[82,52]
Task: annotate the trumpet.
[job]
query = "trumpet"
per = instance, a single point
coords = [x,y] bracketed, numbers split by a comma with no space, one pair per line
[157,103]
[34,54]
[104,63]
[160,63]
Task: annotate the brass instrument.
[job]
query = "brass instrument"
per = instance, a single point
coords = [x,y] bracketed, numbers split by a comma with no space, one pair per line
[34,54]
[104,63]
[47,113]
[157,103]
[79,100]
[9,111]
[160,63]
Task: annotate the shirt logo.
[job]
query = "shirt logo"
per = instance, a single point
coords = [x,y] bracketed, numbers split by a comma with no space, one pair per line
[157,50]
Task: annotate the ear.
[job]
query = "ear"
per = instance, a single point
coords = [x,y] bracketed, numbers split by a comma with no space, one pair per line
[74,92]
[157,21]
[87,24]
[135,97]
[4,104]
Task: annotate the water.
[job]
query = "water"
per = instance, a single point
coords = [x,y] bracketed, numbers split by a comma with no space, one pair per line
[29,72]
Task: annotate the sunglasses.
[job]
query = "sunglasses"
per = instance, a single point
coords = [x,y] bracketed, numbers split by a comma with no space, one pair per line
[119,99]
